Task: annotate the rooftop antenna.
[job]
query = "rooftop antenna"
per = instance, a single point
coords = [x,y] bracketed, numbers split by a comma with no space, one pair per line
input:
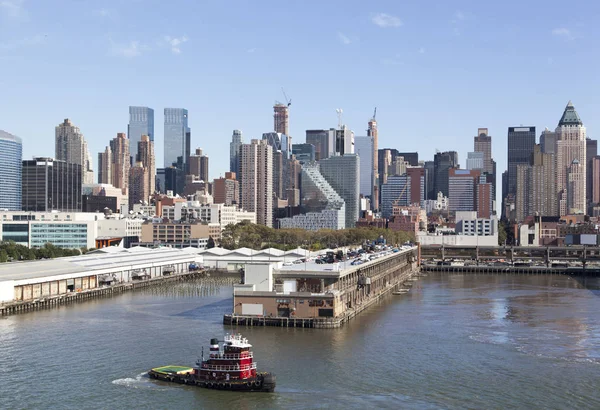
[340,112]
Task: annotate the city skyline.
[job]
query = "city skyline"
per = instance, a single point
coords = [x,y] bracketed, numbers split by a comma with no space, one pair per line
[437,73]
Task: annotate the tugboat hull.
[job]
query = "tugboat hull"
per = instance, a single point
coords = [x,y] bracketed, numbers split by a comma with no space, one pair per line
[263,382]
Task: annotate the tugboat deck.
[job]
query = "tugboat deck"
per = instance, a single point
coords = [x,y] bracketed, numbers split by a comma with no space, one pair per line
[171,369]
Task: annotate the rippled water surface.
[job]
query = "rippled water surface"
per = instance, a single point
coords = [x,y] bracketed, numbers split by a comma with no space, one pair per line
[454,341]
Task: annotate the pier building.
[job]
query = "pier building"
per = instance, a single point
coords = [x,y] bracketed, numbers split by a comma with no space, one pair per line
[317,295]
[27,281]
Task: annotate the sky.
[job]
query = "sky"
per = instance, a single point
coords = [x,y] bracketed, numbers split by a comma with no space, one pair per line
[435,70]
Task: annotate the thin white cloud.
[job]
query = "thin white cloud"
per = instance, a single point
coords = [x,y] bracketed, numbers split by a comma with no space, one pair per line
[422,50]
[459,15]
[175,43]
[251,50]
[344,39]
[563,32]
[129,50]
[386,20]
[23,43]
[103,12]
[13,9]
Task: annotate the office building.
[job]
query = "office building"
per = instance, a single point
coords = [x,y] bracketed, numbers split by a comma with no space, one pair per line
[483,143]
[364,147]
[234,151]
[412,158]
[429,173]
[323,141]
[591,150]
[256,180]
[71,147]
[176,138]
[395,192]
[11,157]
[51,185]
[96,203]
[571,162]
[462,189]
[475,160]
[343,174]
[141,122]
[146,156]
[536,187]
[443,163]
[548,141]
[226,190]
[344,141]
[304,152]
[596,180]
[520,148]
[199,165]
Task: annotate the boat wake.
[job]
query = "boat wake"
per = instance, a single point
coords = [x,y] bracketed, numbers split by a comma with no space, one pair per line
[141,381]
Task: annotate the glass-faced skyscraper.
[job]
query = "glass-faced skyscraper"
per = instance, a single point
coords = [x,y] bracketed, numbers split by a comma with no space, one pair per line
[11,155]
[141,122]
[177,136]
[520,148]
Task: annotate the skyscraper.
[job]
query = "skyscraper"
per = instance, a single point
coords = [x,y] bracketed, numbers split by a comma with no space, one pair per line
[548,141]
[429,174]
[11,155]
[234,151]
[520,148]
[199,165]
[591,150]
[71,147]
[475,160]
[177,137]
[141,122]
[51,185]
[256,180]
[281,118]
[342,172]
[324,142]
[483,143]
[443,162]
[373,133]
[364,147]
[571,162]
[462,194]
[344,141]
[146,157]
[105,166]
[121,162]
[304,152]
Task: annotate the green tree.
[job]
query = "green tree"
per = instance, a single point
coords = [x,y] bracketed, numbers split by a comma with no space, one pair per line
[501,234]
[211,243]
[3,256]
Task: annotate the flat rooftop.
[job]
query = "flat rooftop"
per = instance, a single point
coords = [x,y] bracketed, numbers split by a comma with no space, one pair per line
[331,270]
[117,258]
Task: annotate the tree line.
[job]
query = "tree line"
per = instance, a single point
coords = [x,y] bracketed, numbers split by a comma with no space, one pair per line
[11,251]
[253,236]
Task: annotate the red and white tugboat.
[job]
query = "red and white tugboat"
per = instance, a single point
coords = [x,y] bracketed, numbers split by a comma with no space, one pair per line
[230,366]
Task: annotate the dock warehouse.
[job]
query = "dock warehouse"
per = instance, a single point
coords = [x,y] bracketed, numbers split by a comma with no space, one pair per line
[29,280]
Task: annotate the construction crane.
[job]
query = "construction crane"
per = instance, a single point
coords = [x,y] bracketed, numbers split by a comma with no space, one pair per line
[396,201]
[287,100]
[375,114]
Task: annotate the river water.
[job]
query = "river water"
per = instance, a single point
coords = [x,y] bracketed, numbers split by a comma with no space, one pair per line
[452,342]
